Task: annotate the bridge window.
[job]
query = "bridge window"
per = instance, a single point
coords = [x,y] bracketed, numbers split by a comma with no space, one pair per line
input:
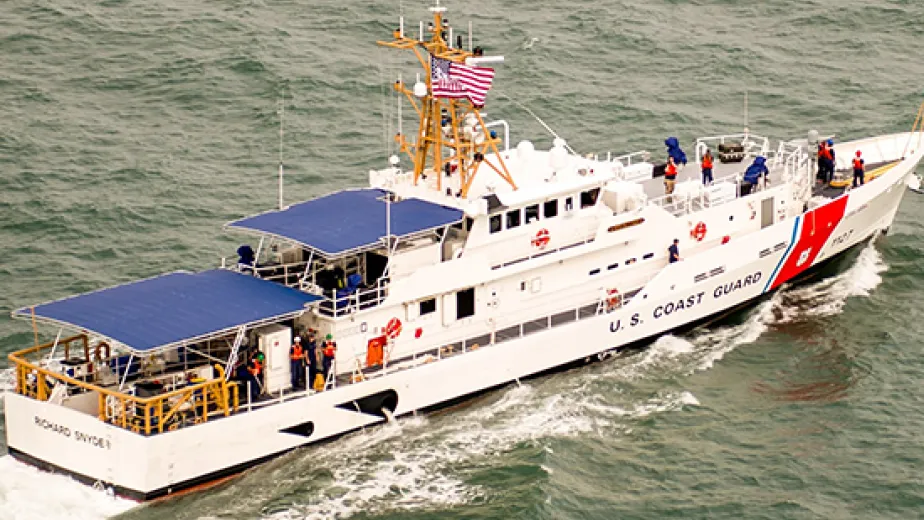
[513,219]
[589,198]
[648,256]
[569,203]
[469,222]
[427,306]
[465,303]
[612,266]
[595,271]
[532,213]
[550,208]
[495,223]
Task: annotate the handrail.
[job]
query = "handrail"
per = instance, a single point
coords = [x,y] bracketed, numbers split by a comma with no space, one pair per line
[217,394]
[503,123]
[675,203]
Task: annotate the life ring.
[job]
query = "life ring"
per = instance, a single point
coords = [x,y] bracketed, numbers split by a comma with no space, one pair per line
[393,328]
[541,239]
[97,356]
[698,232]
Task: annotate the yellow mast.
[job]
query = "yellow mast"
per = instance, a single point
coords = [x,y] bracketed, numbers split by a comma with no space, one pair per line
[433,152]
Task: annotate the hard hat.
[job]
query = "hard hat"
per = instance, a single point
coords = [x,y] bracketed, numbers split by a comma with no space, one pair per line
[830,142]
[859,153]
[298,339]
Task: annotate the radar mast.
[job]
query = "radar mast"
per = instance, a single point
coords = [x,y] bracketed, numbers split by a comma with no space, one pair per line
[452,138]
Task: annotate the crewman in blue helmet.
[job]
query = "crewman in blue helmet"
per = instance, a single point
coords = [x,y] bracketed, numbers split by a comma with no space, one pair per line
[753,173]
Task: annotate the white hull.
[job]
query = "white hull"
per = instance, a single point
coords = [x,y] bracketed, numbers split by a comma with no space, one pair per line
[679,295]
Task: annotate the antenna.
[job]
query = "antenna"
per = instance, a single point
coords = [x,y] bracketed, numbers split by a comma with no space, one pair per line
[400,117]
[282,118]
[540,121]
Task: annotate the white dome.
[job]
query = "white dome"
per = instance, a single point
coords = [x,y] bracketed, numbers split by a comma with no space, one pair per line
[525,150]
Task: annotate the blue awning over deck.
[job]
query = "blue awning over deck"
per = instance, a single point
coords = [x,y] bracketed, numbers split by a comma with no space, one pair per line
[349,220]
[174,308]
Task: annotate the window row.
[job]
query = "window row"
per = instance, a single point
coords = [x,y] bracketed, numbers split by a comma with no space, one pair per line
[465,304]
[516,217]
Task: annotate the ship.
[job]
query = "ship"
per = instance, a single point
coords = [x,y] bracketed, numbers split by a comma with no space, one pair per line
[465,265]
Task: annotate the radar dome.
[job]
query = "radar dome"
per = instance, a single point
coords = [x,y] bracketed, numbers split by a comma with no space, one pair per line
[525,150]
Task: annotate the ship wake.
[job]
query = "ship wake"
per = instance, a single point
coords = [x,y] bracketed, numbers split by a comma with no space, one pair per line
[27,493]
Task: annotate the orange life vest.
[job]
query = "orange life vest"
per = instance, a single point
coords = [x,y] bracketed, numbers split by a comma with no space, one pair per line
[671,171]
[707,162]
[825,153]
[256,368]
[858,164]
[330,350]
[296,353]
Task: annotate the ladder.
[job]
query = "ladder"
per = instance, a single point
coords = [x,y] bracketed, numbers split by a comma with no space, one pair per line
[232,358]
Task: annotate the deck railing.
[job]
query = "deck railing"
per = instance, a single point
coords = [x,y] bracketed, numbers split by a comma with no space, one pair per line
[183,406]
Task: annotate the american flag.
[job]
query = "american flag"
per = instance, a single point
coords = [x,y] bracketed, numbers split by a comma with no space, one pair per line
[450,79]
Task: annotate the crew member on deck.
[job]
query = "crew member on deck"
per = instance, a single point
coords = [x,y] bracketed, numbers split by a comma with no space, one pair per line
[707,168]
[296,357]
[673,252]
[319,380]
[670,176]
[255,372]
[330,352]
[859,169]
[311,348]
[825,161]
[752,175]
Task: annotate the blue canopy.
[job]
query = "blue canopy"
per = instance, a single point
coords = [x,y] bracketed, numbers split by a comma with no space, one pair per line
[349,221]
[175,308]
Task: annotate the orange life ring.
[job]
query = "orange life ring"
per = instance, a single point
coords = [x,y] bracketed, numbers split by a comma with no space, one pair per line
[698,232]
[613,300]
[541,239]
[97,356]
[393,328]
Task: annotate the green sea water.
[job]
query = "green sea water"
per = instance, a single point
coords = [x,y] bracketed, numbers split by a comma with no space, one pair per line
[131,131]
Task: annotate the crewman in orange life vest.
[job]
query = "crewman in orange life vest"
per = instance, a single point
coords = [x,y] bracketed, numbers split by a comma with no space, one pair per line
[255,372]
[707,168]
[330,353]
[858,169]
[296,359]
[826,161]
[670,176]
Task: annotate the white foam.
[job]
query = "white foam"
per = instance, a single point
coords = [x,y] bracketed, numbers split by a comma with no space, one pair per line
[418,470]
[828,297]
[7,380]
[27,493]
[413,463]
